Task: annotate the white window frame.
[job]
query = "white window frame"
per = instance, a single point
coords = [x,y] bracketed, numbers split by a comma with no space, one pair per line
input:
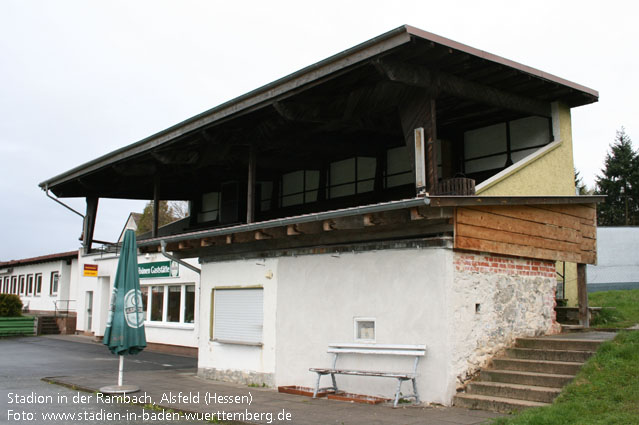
[356,321]
[57,287]
[165,305]
[37,291]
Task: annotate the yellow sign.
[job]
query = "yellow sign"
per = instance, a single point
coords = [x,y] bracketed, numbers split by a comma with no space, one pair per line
[91,270]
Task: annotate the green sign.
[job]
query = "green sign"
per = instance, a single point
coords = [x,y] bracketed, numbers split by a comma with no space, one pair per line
[158,269]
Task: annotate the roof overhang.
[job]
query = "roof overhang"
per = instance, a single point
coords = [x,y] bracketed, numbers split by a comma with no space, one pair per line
[403,45]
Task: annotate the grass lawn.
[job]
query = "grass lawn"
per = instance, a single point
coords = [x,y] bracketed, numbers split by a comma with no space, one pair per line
[626,313]
[606,390]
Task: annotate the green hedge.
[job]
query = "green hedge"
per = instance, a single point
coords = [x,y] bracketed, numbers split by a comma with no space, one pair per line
[10,305]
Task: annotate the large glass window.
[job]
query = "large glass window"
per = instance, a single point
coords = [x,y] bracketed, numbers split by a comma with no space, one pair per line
[238,315]
[398,167]
[22,285]
[501,145]
[170,303]
[14,284]
[189,304]
[299,187]
[210,207]
[157,303]
[351,176]
[5,285]
[173,310]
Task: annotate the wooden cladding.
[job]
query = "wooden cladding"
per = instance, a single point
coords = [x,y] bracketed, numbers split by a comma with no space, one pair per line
[547,232]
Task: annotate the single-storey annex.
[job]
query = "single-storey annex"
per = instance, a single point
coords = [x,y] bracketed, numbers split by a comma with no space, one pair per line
[409,190]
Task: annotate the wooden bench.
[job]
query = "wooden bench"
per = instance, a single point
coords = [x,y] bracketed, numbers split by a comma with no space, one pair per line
[415,351]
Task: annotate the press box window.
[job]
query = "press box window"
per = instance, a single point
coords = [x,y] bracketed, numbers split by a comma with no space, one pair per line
[299,187]
[351,176]
[365,329]
[238,316]
[210,207]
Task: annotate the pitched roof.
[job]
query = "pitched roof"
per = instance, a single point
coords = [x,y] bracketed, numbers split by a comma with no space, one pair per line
[41,259]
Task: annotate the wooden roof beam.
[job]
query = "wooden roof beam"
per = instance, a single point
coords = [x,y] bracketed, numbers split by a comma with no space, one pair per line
[441,82]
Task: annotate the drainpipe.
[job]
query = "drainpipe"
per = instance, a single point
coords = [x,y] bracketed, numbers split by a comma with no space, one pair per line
[177,260]
[62,203]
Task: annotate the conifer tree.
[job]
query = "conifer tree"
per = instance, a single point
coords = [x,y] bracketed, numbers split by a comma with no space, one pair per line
[620,183]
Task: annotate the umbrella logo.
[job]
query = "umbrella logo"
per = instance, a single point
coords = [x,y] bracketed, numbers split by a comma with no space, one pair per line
[133,308]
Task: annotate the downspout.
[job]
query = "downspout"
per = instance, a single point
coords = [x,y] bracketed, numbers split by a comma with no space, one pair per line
[61,203]
[177,260]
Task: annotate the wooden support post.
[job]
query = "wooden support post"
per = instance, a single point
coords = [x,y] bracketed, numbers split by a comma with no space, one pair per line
[156,207]
[430,135]
[89,223]
[250,193]
[582,295]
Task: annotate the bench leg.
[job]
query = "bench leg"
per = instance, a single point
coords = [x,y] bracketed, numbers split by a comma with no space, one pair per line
[417,401]
[334,382]
[319,375]
[399,388]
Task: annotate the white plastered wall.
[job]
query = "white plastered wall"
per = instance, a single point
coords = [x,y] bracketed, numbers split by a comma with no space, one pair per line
[234,361]
[406,291]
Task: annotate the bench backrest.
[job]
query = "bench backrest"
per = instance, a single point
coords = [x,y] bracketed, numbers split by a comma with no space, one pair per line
[381,349]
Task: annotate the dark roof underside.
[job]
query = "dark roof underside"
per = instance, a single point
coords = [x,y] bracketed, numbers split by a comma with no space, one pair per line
[345,104]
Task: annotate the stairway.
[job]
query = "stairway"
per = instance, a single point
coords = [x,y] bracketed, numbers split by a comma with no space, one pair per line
[531,374]
[48,325]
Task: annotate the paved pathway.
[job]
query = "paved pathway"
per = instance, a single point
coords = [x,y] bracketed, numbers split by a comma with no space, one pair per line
[160,386]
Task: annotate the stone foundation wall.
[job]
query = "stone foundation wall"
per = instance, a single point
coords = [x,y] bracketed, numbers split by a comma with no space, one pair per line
[245,377]
[494,300]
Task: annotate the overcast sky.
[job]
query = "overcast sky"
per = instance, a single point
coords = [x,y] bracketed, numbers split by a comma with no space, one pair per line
[79,79]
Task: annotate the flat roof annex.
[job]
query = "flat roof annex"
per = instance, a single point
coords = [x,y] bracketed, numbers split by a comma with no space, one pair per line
[305,78]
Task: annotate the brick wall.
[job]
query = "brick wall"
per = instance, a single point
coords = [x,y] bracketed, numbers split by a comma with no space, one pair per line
[491,263]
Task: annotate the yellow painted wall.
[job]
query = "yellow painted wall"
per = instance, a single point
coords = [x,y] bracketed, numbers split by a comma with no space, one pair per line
[551,173]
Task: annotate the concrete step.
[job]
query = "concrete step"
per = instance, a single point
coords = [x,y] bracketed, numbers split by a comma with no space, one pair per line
[497,404]
[519,392]
[558,344]
[543,366]
[550,355]
[525,378]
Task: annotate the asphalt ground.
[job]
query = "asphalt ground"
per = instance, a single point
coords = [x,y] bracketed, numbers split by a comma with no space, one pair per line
[26,398]
[168,384]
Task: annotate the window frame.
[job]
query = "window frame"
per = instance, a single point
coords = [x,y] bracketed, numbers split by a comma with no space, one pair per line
[37,286]
[55,277]
[165,303]
[356,321]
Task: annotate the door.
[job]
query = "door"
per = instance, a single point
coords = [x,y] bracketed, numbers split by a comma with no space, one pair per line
[89,311]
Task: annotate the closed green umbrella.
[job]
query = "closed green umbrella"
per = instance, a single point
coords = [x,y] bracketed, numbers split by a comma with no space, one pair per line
[124,332]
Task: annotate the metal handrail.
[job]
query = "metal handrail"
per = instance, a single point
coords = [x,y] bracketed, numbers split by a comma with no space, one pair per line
[61,310]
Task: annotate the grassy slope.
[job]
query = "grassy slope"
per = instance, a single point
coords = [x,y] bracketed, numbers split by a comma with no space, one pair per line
[627,308]
[606,390]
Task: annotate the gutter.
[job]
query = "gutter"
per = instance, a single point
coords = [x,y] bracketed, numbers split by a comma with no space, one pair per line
[177,260]
[306,218]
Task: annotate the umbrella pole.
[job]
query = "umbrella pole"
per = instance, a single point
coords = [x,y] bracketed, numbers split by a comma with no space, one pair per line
[121,370]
